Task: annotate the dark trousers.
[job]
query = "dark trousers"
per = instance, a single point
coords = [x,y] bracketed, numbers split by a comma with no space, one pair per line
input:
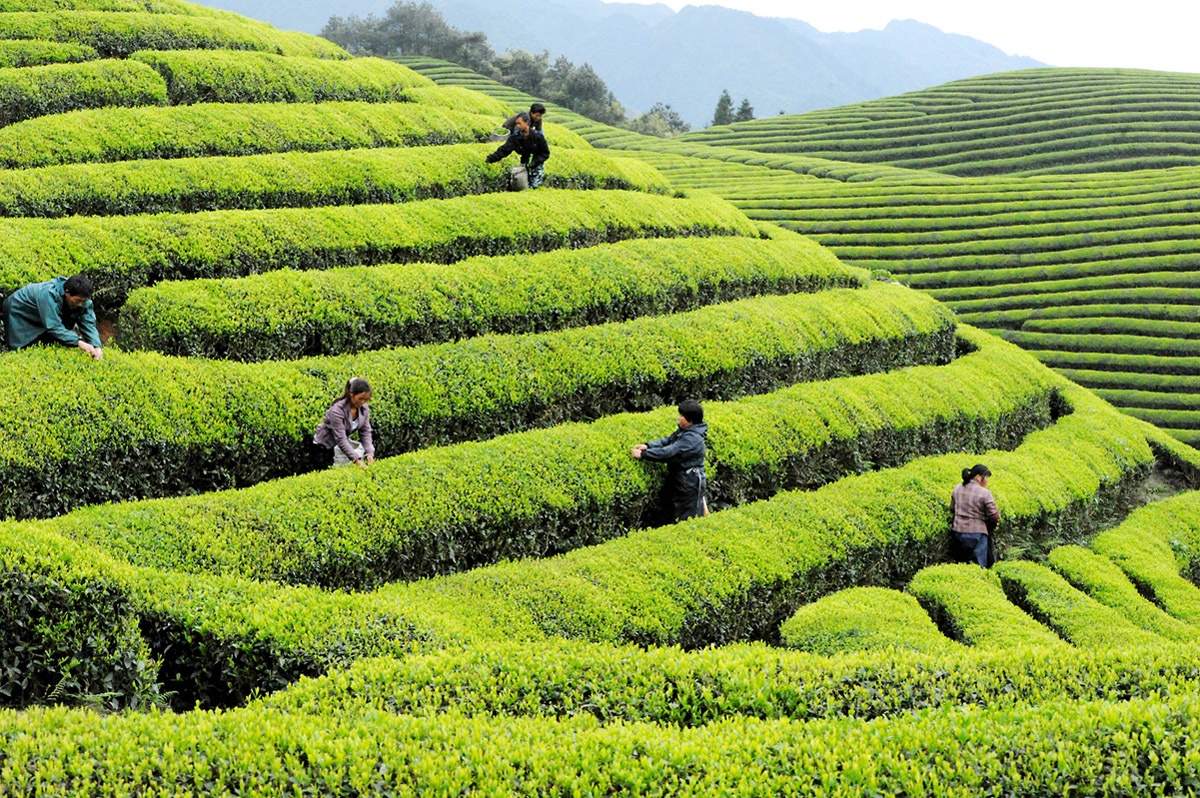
[974,547]
[685,493]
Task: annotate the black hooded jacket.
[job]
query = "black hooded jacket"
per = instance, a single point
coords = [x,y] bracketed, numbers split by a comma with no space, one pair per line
[532,148]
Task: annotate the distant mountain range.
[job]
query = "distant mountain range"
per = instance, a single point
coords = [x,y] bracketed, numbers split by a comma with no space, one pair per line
[649,53]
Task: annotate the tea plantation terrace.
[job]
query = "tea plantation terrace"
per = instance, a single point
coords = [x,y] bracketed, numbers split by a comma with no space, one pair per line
[492,606]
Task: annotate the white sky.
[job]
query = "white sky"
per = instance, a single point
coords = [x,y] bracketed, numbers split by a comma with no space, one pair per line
[1144,34]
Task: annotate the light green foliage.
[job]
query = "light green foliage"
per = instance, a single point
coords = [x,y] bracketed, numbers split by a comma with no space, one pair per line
[1154,546]
[969,604]
[476,102]
[295,179]
[216,76]
[1079,618]
[286,314]
[17,53]
[864,619]
[123,253]
[1106,583]
[119,34]
[124,134]
[691,688]
[30,92]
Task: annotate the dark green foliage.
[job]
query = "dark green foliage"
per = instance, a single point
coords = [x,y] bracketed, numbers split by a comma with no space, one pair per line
[69,641]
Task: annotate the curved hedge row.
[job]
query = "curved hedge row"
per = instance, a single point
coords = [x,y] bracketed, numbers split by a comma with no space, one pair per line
[28,53]
[1071,613]
[691,689]
[30,92]
[214,76]
[124,253]
[1106,583]
[296,180]
[154,426]
[865,619]
[1115,748]
[282,315]
[116,34]
[969,605]
[138,6]
[115,134]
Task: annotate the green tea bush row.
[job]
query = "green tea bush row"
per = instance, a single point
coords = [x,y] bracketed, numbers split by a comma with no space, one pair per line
[283,315]
[1077,617]
[296,179]
[476,102]
[694,688]
[215,76]
[120,34]
[969,605]
[1172,284]
[864,619]
[1105,582]
[448,509]
[128,6]
[123,253]
[1083,307]
[1158,547]
[42,90]
[28,53]
[201,131]
[156,426]
[1121,325]
[738,574]
[1116,344]
[1144,746]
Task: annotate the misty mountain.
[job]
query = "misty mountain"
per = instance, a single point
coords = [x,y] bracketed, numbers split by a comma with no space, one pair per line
[649,53]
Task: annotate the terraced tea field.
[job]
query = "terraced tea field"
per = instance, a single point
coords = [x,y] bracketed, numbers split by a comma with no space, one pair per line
[190,606]
[1052,207]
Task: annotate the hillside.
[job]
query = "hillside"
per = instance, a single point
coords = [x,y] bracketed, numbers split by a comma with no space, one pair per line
[190,605]
[1052,207]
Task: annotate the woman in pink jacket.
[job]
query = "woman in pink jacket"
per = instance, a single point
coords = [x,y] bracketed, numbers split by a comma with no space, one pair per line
[975,516]
[348,415]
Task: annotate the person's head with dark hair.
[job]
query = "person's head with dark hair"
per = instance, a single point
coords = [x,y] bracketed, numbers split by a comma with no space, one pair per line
[358,392]
[536,112]
[78,289]
[523,122]
[690,412]
[977,470]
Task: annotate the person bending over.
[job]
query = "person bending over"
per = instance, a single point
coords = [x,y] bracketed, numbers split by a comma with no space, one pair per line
[58,311]
[530,144]
[346,416]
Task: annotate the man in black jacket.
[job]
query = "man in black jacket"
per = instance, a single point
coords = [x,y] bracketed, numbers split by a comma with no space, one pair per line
[683,452]
[536,112]
[530,144]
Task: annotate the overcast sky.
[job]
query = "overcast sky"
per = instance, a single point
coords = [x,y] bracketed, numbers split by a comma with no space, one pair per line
[1145,34]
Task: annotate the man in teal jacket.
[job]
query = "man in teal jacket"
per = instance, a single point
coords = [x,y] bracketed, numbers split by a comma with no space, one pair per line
[50,312]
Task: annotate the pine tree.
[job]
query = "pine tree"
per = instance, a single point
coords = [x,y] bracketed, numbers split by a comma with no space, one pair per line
[724,113]
[745,112]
